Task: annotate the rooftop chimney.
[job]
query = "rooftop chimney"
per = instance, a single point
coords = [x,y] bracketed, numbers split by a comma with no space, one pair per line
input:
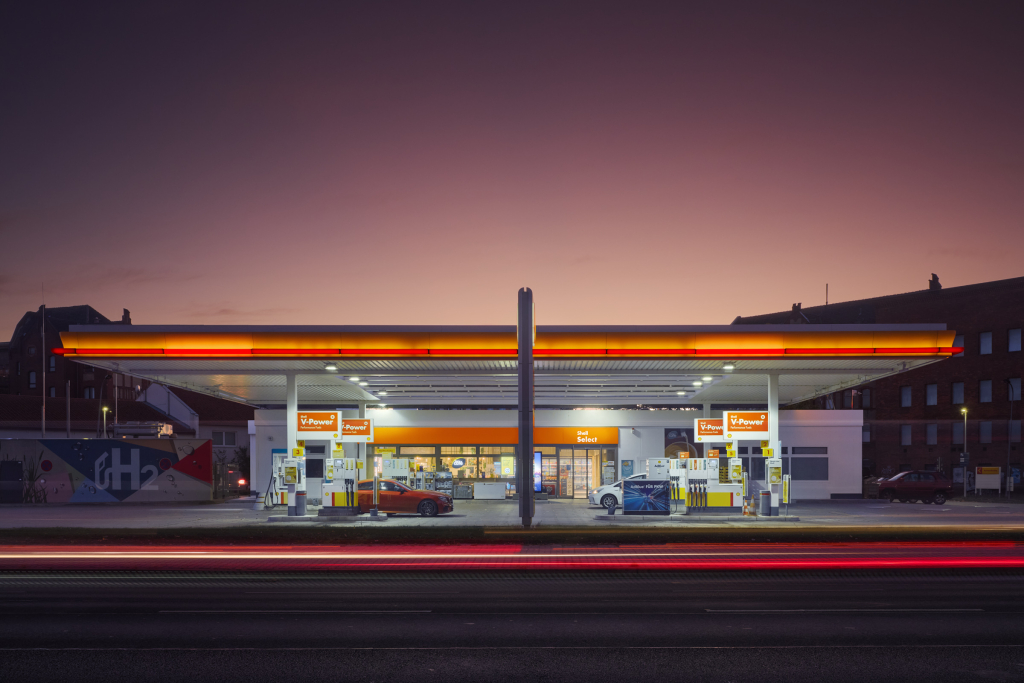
[126,317]
[933,284]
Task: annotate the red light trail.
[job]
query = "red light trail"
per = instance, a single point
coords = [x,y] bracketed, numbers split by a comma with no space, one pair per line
[674,557]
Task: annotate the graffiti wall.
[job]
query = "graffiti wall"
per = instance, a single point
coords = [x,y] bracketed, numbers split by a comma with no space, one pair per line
[108,470]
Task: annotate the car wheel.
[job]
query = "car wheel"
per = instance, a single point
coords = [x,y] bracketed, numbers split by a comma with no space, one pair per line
[939,498]
[890,496]
[609,501]
[428,508]
[905,500]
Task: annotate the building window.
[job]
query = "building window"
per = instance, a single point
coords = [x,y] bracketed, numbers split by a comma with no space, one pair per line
[985,391]
[904,397]
[985,428]
[1013,390]
[1013,339]
[865,398]
[810,450]
[958,342]
[931,394]
[904,435]
[223,438]
[848,399]
[53,363]
[932,434]
[1015,431]
[865,434]
[32,380]
[958,432]
[958,393]
[89,392]
[809,469]
[985,345]
[53,392]
[31,350]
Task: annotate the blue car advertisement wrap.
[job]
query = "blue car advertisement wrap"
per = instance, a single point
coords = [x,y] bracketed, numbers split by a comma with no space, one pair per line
[646,497]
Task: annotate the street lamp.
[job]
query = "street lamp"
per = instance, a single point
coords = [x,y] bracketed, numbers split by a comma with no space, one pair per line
[105,409]
[964,411]
[1009,435]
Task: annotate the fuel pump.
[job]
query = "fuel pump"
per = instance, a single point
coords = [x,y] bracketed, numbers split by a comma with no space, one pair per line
[295,478]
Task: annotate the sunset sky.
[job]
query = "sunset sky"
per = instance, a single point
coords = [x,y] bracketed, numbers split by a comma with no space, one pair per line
[417,163]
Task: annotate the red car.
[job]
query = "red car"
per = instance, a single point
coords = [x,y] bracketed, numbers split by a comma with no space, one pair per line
[396,497]
[906,487]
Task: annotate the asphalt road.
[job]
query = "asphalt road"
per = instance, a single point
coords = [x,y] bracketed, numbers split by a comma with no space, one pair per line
[671,626]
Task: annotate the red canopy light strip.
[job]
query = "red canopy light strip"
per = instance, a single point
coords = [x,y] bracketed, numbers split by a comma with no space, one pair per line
[700,352]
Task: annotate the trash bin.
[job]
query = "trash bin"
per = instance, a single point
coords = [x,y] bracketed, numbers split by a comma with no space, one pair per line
[300,503]
[766,504]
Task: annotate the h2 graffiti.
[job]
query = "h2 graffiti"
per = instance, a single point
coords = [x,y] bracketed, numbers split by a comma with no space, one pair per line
[109,476]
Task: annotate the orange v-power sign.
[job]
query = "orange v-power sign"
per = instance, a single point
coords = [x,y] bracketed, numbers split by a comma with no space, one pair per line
[707,429]
[357,430]
[752,425]
[317,423]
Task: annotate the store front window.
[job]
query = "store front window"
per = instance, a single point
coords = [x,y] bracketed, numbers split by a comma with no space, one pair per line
[566,471]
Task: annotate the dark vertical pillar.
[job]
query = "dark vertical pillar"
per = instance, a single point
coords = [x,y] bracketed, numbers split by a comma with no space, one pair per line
[525,480]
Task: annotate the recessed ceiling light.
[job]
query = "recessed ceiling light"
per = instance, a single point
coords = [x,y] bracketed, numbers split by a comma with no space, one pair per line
[353,379]
[728,366]
[681,393]
[707,379]
[698,383]
[330,367]
[382,393]
[363,384]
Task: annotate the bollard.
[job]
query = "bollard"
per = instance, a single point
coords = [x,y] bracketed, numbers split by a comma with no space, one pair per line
[300,503]
[766,504]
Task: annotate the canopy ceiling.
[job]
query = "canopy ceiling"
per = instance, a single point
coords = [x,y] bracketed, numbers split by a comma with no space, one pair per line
[476,366]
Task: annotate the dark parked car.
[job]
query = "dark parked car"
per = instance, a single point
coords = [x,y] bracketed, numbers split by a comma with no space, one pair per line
[906,487]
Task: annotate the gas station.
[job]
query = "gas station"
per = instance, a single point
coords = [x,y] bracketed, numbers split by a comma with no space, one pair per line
[526,411]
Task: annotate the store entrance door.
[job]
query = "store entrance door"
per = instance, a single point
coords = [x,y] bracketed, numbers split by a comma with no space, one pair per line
[581,473]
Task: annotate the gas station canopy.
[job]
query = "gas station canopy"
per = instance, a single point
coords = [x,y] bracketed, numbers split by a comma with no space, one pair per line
[576,366]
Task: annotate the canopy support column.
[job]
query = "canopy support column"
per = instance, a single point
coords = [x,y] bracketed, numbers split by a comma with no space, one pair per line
[773,411]
[291,409]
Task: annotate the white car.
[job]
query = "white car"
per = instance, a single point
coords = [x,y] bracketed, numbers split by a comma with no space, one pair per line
[610,495]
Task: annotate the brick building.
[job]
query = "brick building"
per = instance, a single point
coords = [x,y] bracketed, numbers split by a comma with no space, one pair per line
[913,420]
[23,358]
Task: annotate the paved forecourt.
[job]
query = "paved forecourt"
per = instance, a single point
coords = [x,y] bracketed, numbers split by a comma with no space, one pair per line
[553,513]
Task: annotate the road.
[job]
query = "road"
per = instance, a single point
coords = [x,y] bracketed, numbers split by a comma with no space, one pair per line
[891,625]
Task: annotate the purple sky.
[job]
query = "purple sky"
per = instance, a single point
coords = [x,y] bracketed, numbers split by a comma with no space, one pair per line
[378,162]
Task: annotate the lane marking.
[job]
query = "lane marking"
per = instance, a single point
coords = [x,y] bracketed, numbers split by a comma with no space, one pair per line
[886,646]
[294,611]
[808,611]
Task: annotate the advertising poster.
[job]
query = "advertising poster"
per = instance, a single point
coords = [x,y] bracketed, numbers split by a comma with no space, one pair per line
[774,470]
[679,443]
[646,497]
[627,469]
[537,472]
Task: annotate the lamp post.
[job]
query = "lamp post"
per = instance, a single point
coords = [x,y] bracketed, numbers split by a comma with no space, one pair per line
[1009,435]
[964,411]
[105,409]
